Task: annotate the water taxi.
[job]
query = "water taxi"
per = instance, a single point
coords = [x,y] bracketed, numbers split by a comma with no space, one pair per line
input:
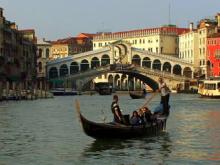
[210,88]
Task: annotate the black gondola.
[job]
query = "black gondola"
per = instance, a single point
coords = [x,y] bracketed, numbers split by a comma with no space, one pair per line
[112,130]
[138,95]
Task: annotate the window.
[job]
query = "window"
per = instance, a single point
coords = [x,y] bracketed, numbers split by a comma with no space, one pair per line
[39,53]
[47,53]
[40,67]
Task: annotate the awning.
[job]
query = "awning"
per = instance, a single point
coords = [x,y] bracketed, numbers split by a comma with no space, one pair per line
[56,81]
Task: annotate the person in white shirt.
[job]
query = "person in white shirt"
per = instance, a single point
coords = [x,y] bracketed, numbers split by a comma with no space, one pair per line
[165,96]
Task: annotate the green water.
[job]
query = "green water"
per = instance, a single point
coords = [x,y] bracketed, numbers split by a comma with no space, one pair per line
[48,132]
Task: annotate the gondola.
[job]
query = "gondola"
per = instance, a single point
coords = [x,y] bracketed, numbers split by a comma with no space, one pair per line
[138,95]
[112,130]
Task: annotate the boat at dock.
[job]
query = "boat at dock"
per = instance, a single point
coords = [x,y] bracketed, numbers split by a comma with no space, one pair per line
[209,88]
[63,92]
[137,95]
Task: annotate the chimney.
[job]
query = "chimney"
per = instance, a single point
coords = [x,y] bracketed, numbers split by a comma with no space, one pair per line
[191,26]
[1,12]
[218,19]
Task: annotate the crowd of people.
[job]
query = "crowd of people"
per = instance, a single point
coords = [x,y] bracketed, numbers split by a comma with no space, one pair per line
[144,114]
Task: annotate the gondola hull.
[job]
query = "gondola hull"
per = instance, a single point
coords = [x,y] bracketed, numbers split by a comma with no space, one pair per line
[112,130]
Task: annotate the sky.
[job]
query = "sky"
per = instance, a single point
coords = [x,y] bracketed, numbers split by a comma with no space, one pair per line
[54,19]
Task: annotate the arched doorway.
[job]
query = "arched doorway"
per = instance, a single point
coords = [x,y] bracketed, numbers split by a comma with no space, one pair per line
[95,63]
[157,64]
[177,69]
[53,73]
[63,70]
[84,65]
[146,62]
[167,67]
[105,60]
[136,60]
[74,67]
[187,72]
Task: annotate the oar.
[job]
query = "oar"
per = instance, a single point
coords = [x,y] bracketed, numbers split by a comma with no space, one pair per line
[148,100]
[77,105]
[104,117]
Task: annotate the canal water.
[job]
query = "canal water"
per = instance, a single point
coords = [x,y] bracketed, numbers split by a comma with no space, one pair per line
[48,132]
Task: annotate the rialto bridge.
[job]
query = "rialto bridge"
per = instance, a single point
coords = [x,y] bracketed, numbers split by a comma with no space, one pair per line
[122,65]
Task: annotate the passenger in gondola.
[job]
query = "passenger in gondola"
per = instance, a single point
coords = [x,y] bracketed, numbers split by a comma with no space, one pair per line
[135,119]
[145,115]
[118,118]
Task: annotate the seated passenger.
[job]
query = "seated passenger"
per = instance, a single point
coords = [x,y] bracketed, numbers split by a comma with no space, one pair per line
[135,119]
[147,114]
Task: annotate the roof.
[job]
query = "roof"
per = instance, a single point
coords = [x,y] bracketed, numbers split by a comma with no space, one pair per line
[215,35]
[165,29]
[85,35]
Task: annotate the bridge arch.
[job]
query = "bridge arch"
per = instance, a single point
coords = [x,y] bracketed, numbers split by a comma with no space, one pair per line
[146,62]
[136,60]
[84,65]
[177,69]
[105,60]
[53,73]
[157,64]
[95,63]
[63,70]
[74,67]
[167,67]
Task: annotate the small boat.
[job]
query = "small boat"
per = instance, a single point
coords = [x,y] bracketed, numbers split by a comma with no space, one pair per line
[63,92]
[209,88]
[138,95]
[113,130]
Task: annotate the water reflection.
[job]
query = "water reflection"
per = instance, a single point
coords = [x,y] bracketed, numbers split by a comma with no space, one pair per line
[148,148]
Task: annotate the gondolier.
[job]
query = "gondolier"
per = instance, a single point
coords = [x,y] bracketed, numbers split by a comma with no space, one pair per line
[116,110]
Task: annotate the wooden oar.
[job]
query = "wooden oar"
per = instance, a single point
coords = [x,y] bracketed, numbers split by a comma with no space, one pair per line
[77,105]
[148,100]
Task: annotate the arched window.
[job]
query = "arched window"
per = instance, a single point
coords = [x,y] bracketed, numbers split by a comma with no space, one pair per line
[74,67]
[63,70]
[95,63]
[40,53]
[146,62]
[40,67]
[136,60]
[105,60]
[47,53]
[167,67]
[157,64]
[53,73]
[84,65]
[177,69]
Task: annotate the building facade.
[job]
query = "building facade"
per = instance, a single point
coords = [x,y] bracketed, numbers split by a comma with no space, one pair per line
[163,40]
[188,46]
[43,56]
[206,27]
[17,58]
[72,45]
[213,51]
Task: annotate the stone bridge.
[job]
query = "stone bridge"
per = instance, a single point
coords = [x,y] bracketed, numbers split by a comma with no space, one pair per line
[131,63]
